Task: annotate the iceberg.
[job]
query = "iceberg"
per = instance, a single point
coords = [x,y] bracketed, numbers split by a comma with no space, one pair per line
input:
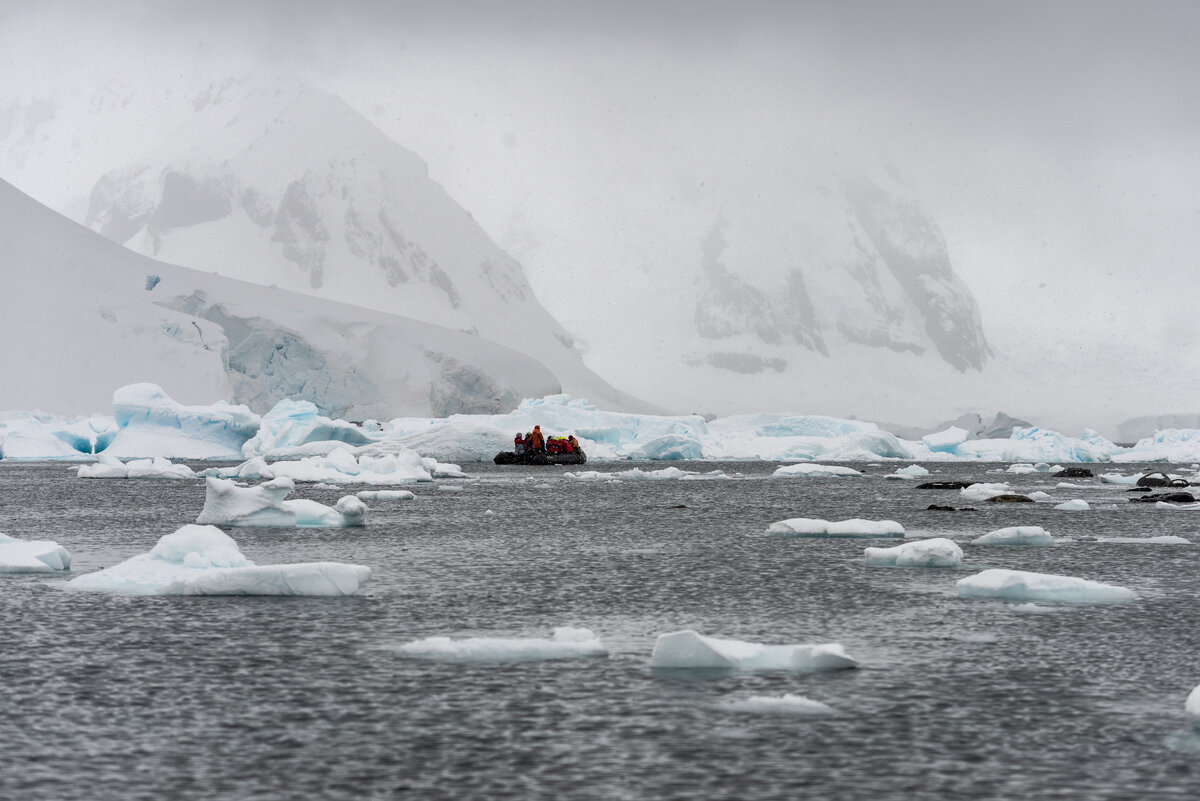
[1192,704]
[107,466]
[933,552]
[946,441]
[814,527]
[911,472]
[152,424]
[786,704]
[1015,535]
[40,436]
[384,495]
[228,504]
[32,556]
[815,471]
[1020,585]
[689,650]
[203,560]
[567,642]
[292,424]
[983,491]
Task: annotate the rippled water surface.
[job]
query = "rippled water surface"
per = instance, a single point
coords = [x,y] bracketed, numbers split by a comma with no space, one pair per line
[236,698]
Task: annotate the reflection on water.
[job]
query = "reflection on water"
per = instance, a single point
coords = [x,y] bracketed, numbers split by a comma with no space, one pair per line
[131,698]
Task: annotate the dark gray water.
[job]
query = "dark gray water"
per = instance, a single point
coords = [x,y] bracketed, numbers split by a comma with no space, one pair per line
[267,698]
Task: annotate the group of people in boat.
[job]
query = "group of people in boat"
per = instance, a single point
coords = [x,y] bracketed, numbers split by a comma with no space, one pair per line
[536,442]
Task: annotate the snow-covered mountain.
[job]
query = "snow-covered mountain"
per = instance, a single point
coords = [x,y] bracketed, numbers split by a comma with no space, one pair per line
[83,316]
[282,184]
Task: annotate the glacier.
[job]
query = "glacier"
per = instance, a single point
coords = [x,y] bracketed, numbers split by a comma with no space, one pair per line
[203,560]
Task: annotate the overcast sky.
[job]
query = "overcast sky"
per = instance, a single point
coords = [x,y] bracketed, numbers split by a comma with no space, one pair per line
[1056,143]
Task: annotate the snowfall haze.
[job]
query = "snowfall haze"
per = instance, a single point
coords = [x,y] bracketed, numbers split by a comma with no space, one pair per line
[901,212]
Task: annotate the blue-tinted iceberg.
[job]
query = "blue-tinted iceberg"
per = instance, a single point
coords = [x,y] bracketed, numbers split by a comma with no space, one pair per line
[567,642]
[933,552]
[1015,535]
[228,504]
[689,650]
[1021,585]
[32,556]
[152,424]
[203,560]
[815,527]
[37,435]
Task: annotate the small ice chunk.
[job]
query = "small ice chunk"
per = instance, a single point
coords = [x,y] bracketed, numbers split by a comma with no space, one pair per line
[983,491]
[813,527]
[933,552]
[807,470]
[1167,539]
[203,560]
[450,487]
[909,473]
[1039,496]
[567,642]
[227,504]
[1015,535]
[1192,705]
[687,649]
[786,704]
[1179,507]
[385,495]
[1076,505]
[1021,585]
[111,467]
[32,556]
[1021,468]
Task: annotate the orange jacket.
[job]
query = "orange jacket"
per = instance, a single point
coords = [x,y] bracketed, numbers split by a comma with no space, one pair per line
[539,442]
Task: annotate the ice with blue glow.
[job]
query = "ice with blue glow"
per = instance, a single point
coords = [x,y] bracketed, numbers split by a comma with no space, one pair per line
[1021,585]
[32,556]
[203,560]
[228,504]
[145,423]
[566,642]
[690,650]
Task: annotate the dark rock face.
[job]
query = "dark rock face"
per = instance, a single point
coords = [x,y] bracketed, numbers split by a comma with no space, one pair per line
[933,507]
[1165,497]
[1010,498]
[1161,480]
[1002,427]
[945,485]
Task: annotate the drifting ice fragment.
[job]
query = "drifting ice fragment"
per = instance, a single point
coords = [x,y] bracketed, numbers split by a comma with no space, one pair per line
[385,495]
[1192,705]
[687,649]
[910,472]
[227,504]
[203,560]
[983,491]
[813,527]
[1077,505]
[111,467]
[566,643]
[1016,535]
[786,704]
[36,556]
[934,552]
[1020,585]
[815,471]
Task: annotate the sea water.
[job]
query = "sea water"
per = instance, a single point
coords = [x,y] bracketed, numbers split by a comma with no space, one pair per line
[109,697]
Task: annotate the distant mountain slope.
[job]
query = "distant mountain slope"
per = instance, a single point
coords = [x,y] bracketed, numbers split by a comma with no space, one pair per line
[81,316]
[282,184]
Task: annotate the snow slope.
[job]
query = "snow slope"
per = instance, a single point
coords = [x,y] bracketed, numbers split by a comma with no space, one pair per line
[81,316]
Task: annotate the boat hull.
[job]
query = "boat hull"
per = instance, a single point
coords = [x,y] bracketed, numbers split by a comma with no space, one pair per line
[508,457]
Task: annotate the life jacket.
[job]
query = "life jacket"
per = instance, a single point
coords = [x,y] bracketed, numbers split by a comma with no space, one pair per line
[552,446]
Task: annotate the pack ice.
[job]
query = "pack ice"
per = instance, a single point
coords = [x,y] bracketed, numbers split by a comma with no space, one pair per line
[815,527]
[31,556]
[933,552]
[567,642]
[203,560]
[228,504]
[687,649]
[1020,585]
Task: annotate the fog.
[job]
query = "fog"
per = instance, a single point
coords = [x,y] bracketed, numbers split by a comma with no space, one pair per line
[1054,143]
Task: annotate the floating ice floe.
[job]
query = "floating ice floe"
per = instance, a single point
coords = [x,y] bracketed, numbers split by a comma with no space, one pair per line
[1167,539]
[32,556]
[228,504]
[1118,478]
[1015,535]
[1076,505]
[152,424]
[815,471]
[203,560]
[913,471]
[814,527]
[933,552]
[1192,705]
[982,491]
[687,649]
[385,495]
[111,467]
[786,704]
[567,642]
[1178,507]
[638,474]
[1021,585]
